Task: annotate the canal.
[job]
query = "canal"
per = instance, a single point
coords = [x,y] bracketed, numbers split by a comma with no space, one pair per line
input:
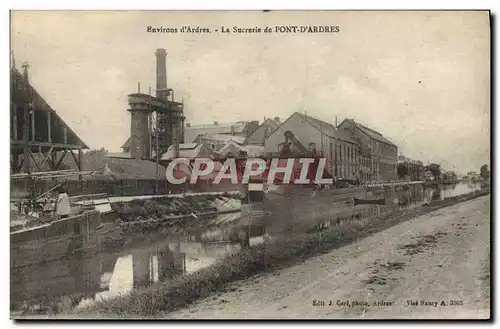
[158,256]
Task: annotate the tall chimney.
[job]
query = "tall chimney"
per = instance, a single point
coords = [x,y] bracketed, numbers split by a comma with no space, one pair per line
[161,72]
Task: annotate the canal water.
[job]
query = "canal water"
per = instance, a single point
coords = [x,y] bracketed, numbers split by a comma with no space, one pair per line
[156,256]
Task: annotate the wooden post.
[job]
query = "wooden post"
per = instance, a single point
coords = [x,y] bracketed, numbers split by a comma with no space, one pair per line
[32,125]
[26,138]
[53,160]
[65,131]
[14,122]
[80,179]
[49,132]
[15,161]
[246,215]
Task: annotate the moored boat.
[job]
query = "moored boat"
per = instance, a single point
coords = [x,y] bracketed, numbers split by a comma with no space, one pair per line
[380,201]
[49,227]
[55,239]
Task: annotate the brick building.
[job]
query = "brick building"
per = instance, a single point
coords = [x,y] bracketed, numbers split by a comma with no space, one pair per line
[340,150]
[378,155]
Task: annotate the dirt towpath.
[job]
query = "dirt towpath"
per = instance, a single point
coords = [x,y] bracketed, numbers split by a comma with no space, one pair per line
[434,266]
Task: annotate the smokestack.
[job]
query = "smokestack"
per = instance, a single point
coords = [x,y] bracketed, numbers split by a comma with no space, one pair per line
[161,71]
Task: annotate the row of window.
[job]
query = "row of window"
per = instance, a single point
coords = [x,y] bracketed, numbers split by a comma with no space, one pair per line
[383,149]
[347,171]
[365,162]
[381,171]
[349,153]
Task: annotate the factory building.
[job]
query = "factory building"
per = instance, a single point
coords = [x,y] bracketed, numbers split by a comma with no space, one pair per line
[320,137]
[378,155]
[156,122]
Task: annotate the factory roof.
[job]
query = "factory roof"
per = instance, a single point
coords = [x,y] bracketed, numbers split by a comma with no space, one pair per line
[234,149]
[370,132]
[224,138]
[188,151]
[327,128]
[264,130]
[20,96]
[191,132]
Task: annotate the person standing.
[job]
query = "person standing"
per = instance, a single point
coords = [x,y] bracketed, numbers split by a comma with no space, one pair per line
[63,207]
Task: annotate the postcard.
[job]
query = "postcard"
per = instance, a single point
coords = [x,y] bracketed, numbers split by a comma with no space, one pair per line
[250,165]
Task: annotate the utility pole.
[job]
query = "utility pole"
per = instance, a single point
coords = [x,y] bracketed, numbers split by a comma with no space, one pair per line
[157,158]
[26,117]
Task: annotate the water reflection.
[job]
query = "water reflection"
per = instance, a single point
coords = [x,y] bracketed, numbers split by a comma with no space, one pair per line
[406,197]
[40,287]
[159,257]
[72,283]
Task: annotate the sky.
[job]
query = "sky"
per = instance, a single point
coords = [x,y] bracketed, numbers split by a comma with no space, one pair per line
[422,79]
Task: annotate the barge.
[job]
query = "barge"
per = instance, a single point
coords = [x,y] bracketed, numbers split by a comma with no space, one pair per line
[56,239]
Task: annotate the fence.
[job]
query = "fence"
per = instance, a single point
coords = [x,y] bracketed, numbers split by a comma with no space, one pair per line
[116,187]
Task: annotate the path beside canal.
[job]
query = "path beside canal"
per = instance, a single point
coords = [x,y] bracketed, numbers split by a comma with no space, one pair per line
[442,256]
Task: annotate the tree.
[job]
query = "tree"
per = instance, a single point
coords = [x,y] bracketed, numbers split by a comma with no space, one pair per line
[415,170]
[484,172]
[435,170]
[452,176]
[402,170]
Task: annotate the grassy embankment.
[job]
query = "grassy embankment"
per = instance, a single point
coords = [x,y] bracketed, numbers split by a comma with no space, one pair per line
[167,211]
[166,297]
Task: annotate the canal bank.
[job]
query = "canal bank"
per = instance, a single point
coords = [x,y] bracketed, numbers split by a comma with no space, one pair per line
[269,256]
[163,255]
[179,212]
[439,256]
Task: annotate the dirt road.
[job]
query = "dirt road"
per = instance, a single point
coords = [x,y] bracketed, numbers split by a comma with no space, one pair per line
[434,266]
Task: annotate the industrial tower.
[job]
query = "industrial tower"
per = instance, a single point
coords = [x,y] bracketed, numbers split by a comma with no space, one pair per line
[156,122]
